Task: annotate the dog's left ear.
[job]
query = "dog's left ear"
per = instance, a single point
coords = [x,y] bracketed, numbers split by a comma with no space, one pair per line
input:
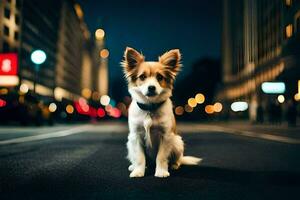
[172,60]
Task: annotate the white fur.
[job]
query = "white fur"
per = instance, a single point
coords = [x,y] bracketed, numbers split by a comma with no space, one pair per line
[153,132]
[140,122]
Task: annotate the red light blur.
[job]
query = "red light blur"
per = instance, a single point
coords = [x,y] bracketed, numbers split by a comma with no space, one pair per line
[101,112]
[2,103]
[116,113]
[8,64]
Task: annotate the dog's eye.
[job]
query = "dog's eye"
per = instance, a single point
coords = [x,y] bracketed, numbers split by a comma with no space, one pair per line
[142,77]
[159,77]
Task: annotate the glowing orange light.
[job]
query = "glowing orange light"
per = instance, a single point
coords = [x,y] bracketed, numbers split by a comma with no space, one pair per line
[86,93]
[78,11]
[69,109]
[179,110]
[104,53]
[289,31]
[218,107]
[188,108]
[209,109]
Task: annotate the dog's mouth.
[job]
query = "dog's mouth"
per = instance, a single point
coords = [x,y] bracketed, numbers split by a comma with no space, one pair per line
[151,94]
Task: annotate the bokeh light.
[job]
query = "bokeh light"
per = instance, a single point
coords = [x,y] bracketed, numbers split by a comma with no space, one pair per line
[188,108]
[69,109]
[52,107]
[99,34]
[24,88]
[104,53]
[209,109]
[218,107]
[200,98]
[104,100]
[101,112]
[192,102]
[281,98]
[179,110]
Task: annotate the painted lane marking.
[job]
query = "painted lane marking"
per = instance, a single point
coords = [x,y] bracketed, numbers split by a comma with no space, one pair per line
[55,134]
[264,136]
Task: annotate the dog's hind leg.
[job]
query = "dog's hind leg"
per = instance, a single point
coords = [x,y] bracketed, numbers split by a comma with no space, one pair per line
[177,151]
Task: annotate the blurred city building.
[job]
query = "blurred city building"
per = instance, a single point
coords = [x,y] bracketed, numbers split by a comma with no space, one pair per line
[58,28]
[260,44]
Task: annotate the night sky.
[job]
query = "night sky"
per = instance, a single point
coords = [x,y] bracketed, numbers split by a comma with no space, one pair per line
[153,27]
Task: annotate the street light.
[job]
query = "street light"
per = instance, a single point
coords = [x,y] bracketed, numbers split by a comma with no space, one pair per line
[38,57]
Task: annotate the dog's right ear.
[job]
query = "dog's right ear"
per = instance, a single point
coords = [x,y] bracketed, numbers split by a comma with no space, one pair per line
[132,59]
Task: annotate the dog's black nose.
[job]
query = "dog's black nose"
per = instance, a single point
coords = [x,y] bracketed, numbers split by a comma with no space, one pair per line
[151,88]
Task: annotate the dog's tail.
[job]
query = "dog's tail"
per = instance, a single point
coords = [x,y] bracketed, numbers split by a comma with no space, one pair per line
[190,160]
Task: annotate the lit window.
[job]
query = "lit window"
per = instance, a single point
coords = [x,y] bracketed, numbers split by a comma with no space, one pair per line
[288,2]
[289,31]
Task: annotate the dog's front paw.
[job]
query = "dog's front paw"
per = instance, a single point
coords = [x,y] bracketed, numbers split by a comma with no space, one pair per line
[131,168]
[137,172]
[162,173]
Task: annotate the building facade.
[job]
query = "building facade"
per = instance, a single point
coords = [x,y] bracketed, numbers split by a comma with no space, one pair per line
[58,28]
[260,44]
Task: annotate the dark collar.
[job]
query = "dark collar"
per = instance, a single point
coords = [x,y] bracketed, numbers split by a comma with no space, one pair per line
[151,106]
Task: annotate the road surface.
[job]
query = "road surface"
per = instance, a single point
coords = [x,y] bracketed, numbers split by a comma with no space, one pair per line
[88,162]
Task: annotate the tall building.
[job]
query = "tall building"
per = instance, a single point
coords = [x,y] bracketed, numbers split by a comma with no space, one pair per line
[260,44]
[39,31]
[58,28]
[10,21]
[72,56]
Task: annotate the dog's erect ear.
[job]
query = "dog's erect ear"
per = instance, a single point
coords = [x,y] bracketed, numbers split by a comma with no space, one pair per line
[132,59]
[172,60]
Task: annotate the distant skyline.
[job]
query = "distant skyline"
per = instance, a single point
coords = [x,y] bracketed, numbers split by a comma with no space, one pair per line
[154,27]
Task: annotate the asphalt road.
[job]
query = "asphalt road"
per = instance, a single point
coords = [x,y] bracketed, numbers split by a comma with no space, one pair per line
[88,162]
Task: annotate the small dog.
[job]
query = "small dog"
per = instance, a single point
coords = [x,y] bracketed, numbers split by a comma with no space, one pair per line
[151,120]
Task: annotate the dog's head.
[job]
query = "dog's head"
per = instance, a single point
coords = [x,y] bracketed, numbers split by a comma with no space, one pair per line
[150,82]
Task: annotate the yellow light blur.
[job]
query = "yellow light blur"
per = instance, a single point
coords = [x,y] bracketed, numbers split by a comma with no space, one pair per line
[218,107]
[281,98]
[200,98]
[86,93]
[24,88]
[104,100]
[3,91]
[69,109]
[188,108]
[192,102]
[9,80]
[52,107]
[21,99]
[99,34]
[297,97]
[179,110]
[288,2]
[209,109]
[289,30]
[104,53]
[78,11]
